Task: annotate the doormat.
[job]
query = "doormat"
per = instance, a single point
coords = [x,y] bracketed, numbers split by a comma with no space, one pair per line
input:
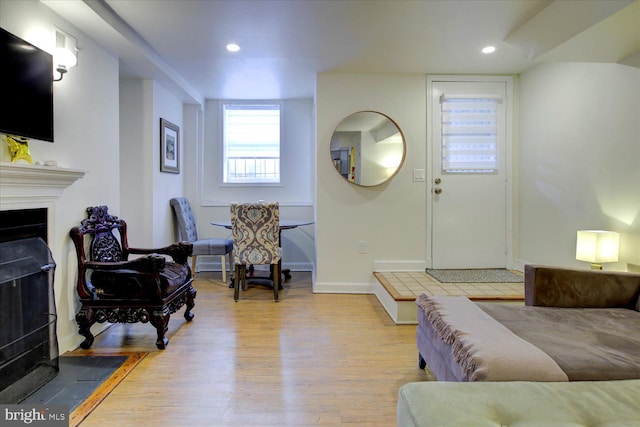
[489,275]
[84,381]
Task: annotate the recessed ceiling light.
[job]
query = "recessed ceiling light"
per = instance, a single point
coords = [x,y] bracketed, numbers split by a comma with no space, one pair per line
[233,47]
[488,49]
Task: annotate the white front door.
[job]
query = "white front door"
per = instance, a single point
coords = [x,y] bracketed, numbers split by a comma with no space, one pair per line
[469,177]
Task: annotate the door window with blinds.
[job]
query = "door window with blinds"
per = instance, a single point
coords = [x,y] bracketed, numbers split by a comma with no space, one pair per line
[469,134]
[251,141]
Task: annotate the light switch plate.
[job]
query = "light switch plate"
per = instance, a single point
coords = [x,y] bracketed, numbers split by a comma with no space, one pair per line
[418,175]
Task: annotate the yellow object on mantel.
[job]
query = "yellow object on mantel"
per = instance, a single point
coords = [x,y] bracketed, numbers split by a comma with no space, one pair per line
[19,149]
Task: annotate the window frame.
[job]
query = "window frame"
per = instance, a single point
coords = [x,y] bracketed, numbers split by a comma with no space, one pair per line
[223,157]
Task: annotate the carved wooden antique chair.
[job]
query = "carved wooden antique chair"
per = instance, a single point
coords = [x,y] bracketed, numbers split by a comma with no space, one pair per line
[114,289]
[256,231]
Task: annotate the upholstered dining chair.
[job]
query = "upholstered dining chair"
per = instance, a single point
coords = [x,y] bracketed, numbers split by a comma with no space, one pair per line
[256,228]
[187,231]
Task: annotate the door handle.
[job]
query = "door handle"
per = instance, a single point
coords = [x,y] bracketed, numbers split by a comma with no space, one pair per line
[437,190]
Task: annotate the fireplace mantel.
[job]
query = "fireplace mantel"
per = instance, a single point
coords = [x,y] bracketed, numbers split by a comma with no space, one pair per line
[22,182]
[32,187]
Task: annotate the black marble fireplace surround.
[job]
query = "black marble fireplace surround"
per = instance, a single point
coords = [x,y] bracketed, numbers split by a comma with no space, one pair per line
[28,342]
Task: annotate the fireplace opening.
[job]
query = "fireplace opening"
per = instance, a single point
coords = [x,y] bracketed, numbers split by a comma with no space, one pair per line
[23,223]
[28,341]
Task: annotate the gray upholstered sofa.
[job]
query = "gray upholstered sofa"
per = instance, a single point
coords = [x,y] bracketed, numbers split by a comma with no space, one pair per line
[576,325]
[535,364]
[519,403]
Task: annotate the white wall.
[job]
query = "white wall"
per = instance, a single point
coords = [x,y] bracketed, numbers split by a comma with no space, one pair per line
[579,160]
[135,173]
[165,185]
[145,190]
[86,138]
[577,167]
[296,150]
[294,193]
[193,134]
[391,217]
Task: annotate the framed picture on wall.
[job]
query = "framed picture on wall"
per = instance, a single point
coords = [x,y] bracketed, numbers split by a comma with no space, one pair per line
[169,147]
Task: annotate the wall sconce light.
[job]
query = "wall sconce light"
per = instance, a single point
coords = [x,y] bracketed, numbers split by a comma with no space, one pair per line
[65,53]
[596,247]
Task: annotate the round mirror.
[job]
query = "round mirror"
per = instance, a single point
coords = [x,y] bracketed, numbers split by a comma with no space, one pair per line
[367,148]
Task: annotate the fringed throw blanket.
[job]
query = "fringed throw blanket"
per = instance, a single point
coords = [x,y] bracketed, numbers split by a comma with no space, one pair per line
[484,348]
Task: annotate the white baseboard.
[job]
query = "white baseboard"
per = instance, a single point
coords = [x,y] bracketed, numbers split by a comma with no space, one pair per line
[73,340]
[206,265]
[342,288]
[519,264]
[399,265]
[69,342]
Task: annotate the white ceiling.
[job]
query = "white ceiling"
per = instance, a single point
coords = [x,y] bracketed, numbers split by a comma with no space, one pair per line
[284,44]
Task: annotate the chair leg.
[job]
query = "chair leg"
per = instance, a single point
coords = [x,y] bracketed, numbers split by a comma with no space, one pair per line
[280,275]
[85,318]
[191,296]
[276,277]
[230,256]
[193,265]
[223,265]
[244,277]
[236,283]
[160,320]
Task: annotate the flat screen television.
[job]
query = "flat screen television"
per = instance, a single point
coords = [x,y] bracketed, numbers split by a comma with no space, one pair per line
[26,89]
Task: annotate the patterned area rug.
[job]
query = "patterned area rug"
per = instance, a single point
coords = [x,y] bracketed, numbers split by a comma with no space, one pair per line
[496,275]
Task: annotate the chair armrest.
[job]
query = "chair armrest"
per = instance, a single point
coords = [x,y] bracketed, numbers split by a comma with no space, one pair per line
[110,279]
[179,251]
[564,287]
[147,264]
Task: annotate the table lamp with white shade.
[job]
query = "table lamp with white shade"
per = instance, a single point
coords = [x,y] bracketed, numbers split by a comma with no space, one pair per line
[597,247]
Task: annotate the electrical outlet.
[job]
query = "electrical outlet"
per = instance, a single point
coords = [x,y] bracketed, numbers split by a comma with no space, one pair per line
[362,247]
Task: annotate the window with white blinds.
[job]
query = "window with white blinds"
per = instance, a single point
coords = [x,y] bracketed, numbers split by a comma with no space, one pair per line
[251,135]
[469,134]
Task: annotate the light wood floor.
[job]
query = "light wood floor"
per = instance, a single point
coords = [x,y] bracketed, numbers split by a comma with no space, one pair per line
[311,359]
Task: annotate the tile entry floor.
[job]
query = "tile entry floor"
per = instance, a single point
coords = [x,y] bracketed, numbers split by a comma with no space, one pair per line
[407,286]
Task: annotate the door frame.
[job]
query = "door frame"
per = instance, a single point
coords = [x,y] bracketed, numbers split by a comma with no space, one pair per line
[510,153]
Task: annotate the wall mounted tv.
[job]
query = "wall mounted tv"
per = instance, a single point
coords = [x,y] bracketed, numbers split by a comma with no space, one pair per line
[26,89]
